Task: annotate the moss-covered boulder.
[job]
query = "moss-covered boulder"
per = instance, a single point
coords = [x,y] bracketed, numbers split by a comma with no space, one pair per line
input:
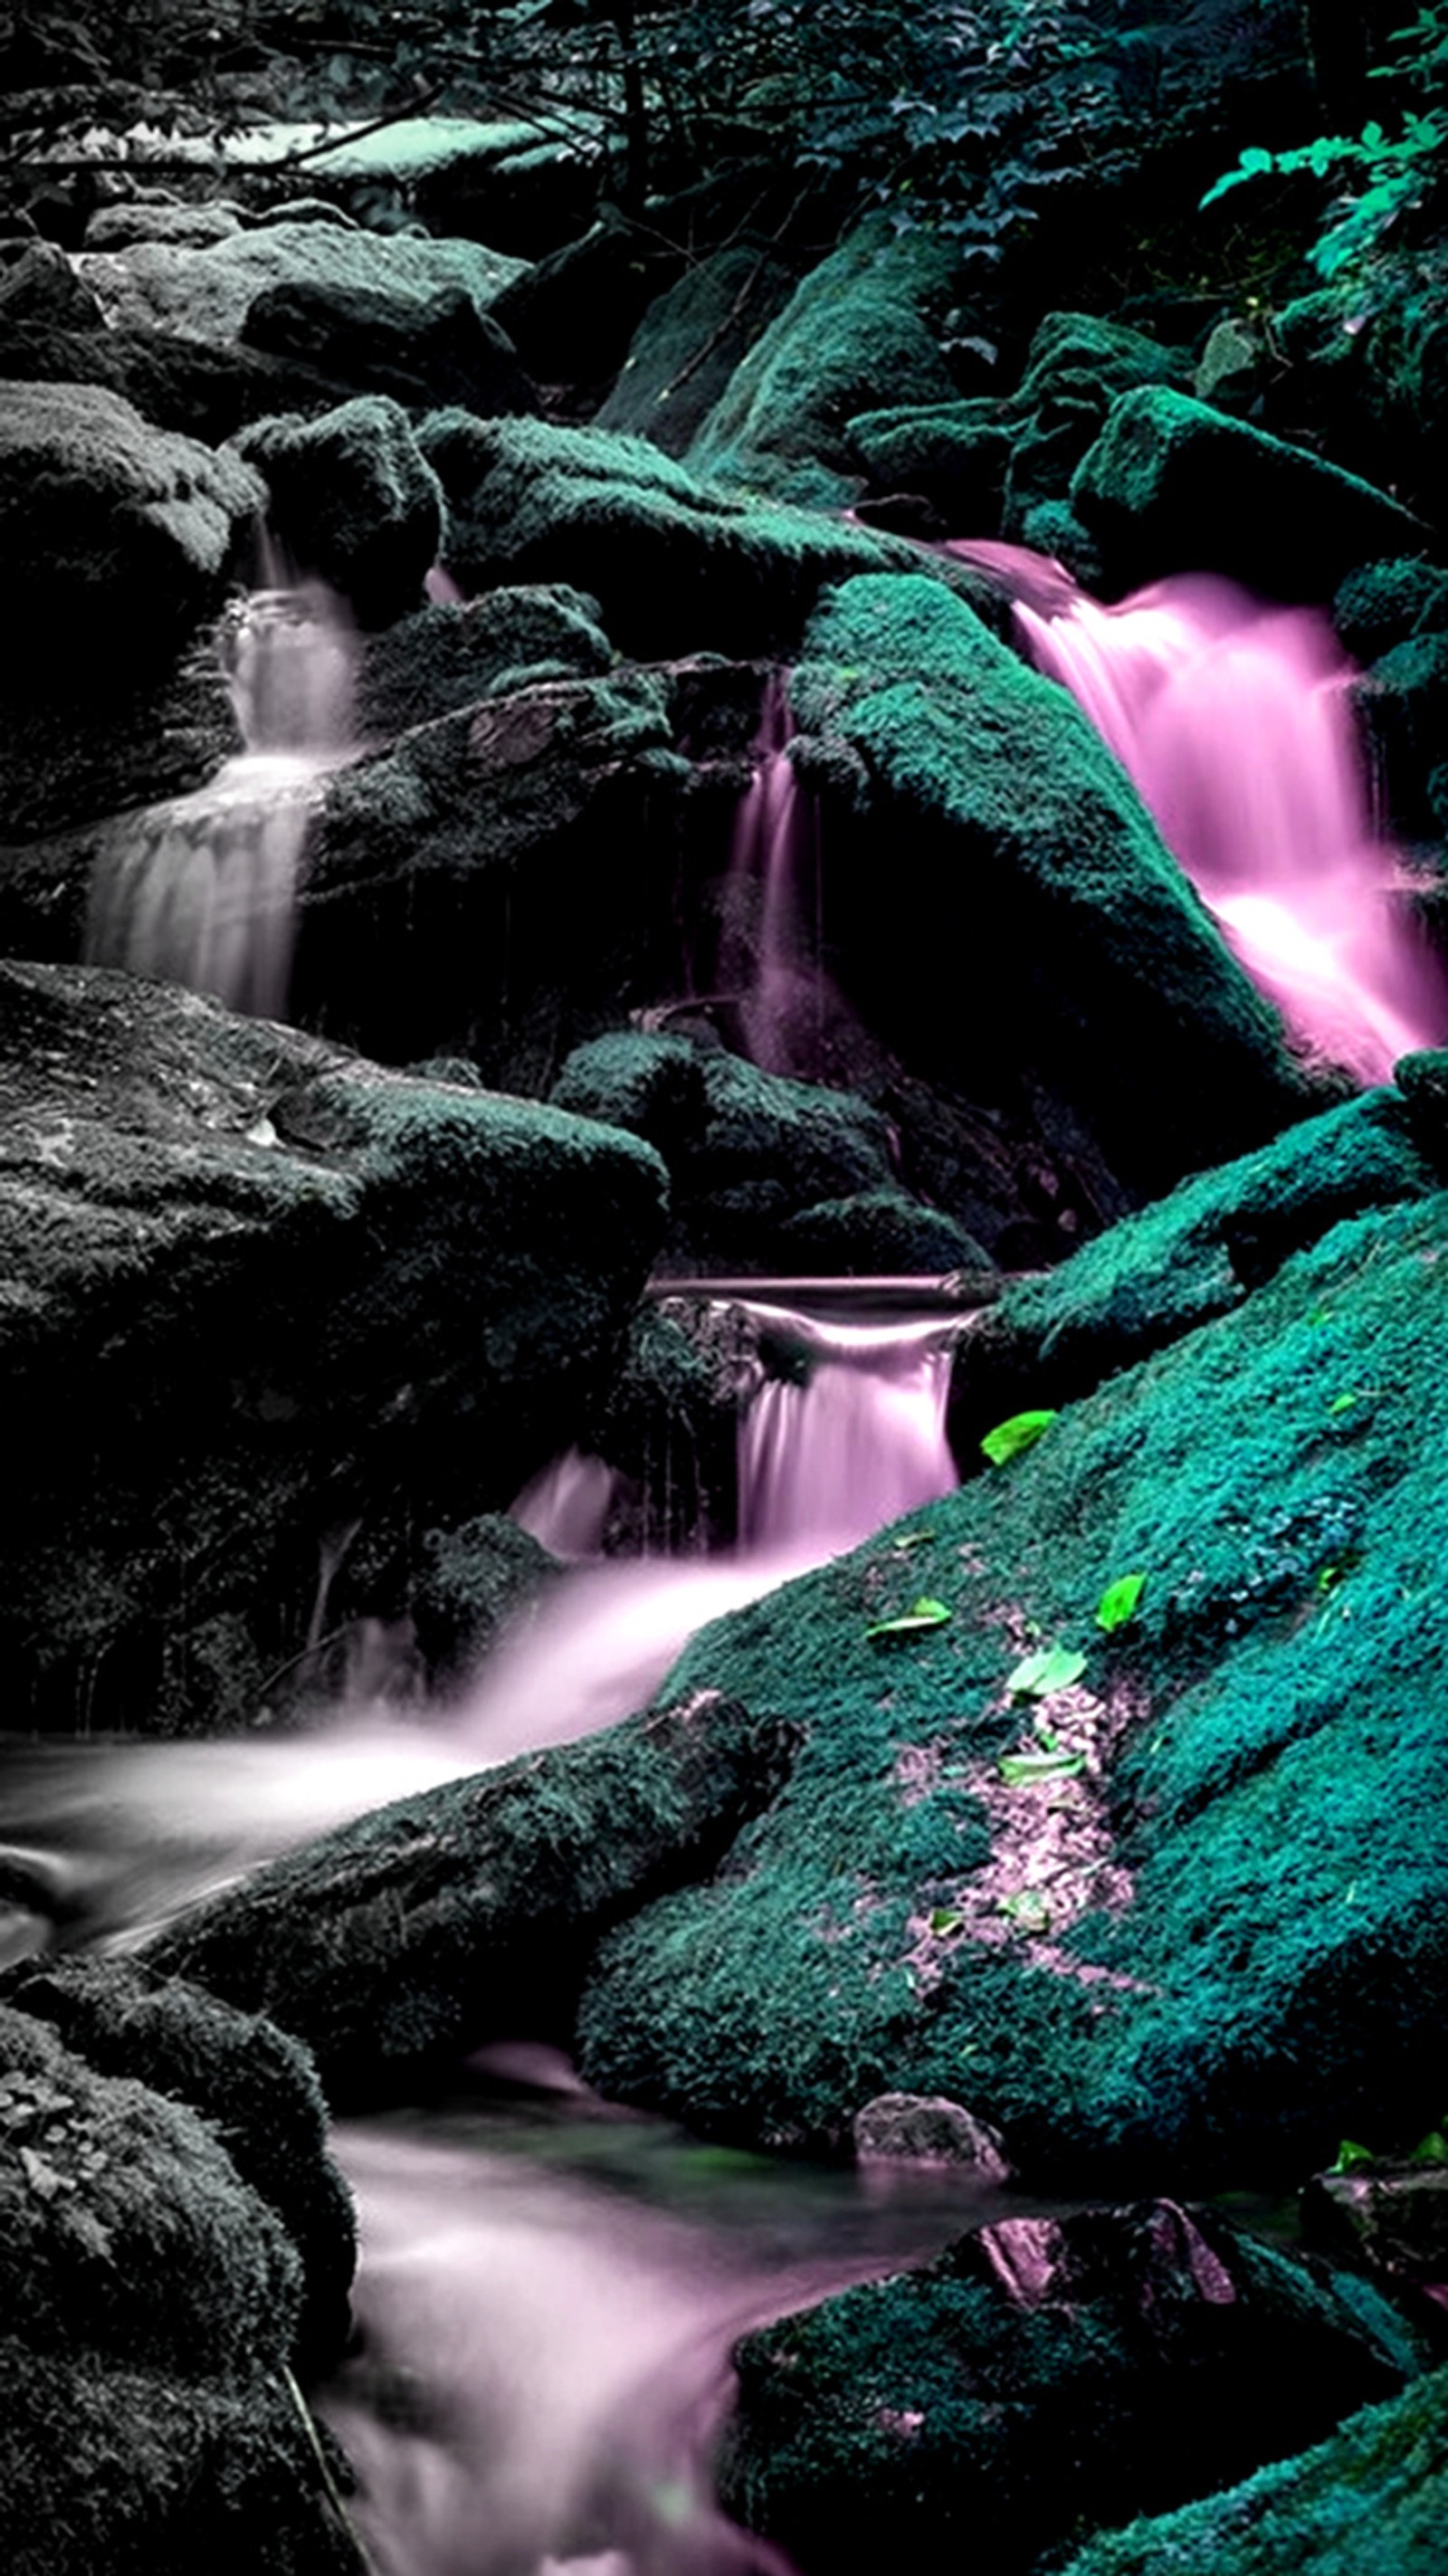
[861,325]
[209,289]
[446,657]
[117,542]
[351,496]
[1382,604]
[1173,486]
[445,351]
[151,2306]
[956,454]
[1170,1898]
[1077,367]
[1403,701]
[1041,2377]
[876,1233]
[677,563]
[1032,915]
[471,1583]
[254,1287]
[690,341]
[1370,2501]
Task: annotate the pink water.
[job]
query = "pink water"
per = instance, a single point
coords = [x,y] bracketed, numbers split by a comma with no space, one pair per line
[1234,720]
[774,873]
[856,1440]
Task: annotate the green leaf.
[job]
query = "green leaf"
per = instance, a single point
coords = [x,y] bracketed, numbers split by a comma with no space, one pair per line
[942,1921]
[911,1538]
[1023,1770]
[1008,1439]
[1028,1908]
[1351,2157]
[1432,2150]
[923,1613]
[1052,1668]
[1117,1604]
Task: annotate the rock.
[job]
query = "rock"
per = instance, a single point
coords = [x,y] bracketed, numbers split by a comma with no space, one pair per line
[864,320]
[471,1583]
[690,341]
[159,738]
[1189,1259]
[151,2304]
[466,1913]
[1403,702]
[676,563]
[444,351]
[351,496]
[1173,486]
[1145,2353]
[117,541]
[1370,2501]
[208,291]
[955,453]
[204,389]
[572,315]
[443,658]
[41,289]
[1180,1916]
[914,2128]
[254,1288]
[875,1232]
[1077,366]
[1382,604]
[1019,846]
[120,227]
[1392,2219]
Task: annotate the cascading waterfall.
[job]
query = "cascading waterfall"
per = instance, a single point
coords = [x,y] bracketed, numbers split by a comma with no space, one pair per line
[202,890]
[854,1439]
[1234,720]
[774,870]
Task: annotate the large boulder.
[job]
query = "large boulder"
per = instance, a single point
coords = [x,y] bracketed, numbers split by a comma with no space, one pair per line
[255,1288]
[446,350]
[208,290]
[1173,486]
[1034,921]
[690,341]
[860,324]
[1155,1878]
[117,541]
[1147,2353]
[152,2300]
[678,564]
[351,496]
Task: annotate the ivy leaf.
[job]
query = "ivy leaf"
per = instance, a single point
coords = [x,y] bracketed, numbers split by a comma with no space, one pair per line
[1028,1908]
[1117,1605]
[1008,1439]
[1023,1770]
[1052,1668]
[923,1613]
[1351,2157]
[943,1920]
[1432,2150]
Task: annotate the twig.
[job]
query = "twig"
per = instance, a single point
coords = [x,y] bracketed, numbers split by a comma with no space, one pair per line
[740,305]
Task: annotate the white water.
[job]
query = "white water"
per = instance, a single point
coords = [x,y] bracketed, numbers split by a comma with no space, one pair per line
[202,890]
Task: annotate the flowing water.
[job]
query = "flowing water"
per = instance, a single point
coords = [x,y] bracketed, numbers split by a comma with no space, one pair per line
[202,890]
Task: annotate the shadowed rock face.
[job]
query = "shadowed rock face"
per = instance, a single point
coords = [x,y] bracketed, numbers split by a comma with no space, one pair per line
[1042,2374]
[254,1286]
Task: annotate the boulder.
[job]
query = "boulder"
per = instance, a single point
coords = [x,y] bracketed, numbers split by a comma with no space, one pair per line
[1382,604]
[138,219]
[118,541]
[443,658]
[255,1287]
[1386,2215]
[1146,2353]
[351,496]
[875,1232]
[676,563]
[203,389]
[1173,486]
[1403,703]
[470,1584]
[152,2300]
[208,290]
[41,290]
[1077,367]
[1033,918]
[690,341]
[957,454]
[445,350]
[1369,2501]
[1172,1895]
[860,324]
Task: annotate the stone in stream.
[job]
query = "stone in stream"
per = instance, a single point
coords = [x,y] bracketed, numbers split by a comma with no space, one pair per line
[1043,2376]
[153,2299]
[210,289]
[351,496]
[1165,1877]
[254,1287]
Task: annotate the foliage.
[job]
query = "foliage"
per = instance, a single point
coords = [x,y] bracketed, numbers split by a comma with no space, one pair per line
[1389,176]
[1008,1439]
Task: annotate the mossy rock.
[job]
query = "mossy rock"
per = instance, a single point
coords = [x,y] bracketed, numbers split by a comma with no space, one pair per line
[1076,367]
[445,351]
[210,289]
[1018,845]
[471,1584]
[1195,1926]
[876,1232]
[1370,2501]
[955,453]
[1143,2354]
[676,562]
[689,343]
[861,324]
[443,658]
[352,497]
[1173,486]
[1403,701]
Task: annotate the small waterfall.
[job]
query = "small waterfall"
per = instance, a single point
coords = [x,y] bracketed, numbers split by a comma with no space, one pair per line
[1234,720]
[854,1439]
[774,871]
[566,1505]
[201,890]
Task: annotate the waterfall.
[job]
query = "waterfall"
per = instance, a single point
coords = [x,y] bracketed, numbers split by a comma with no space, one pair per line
[855,1439]
[1234,720]
[774,876]
[201,890]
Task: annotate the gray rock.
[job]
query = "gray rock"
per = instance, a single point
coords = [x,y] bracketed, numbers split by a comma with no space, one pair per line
[210,290]
[920,2128]
[351,496]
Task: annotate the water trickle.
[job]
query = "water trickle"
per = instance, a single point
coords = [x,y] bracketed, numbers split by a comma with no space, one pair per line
[1234,720]
[774,874]
[853,1437]
[201,890]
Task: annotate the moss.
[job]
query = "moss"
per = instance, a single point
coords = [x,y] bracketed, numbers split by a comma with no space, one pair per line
[876,1231]
[1382,604]
[955,453]
[689,343]
[1018,844]
[444,658]
[353,498]
[471,1583]
[1239,1953]
[1371,2501]
[1403,701]
[858,326]
[1174,486]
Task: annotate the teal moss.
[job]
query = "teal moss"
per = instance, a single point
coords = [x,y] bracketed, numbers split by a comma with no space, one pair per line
[861,325]
[1371,2501]
[956,453]
[878,1231]
[1382,604]
[689,343]
[442,659]
[678,563]
[1033,914]
[1269,1973]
